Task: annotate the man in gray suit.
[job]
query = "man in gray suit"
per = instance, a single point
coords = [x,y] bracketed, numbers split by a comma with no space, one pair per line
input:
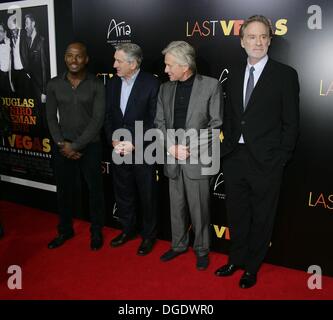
[188,103]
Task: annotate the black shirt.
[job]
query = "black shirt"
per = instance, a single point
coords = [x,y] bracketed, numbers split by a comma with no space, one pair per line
[182,100]
[81,110]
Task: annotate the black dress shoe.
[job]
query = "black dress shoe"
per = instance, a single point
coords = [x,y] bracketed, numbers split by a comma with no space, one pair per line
[96,241]
[146,246]
[121,239]
[202,262]
[171,254]
[227,270]
[248,280]
[1,231]
[59,240]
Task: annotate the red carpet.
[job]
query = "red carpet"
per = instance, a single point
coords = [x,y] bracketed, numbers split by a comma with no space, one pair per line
[75,272]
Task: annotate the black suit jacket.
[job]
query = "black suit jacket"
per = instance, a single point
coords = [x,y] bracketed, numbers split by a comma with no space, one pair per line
[141,105]
[270,122]
[38,66]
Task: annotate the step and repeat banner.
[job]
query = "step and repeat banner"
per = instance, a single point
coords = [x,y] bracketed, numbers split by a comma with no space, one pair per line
[27,61]
[303,32]
[302,39]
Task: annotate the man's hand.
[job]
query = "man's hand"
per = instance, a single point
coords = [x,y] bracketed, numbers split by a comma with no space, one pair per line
[179,151]
[123,147]
[67,151]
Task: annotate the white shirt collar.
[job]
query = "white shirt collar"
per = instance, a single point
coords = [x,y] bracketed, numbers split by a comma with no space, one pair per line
[132,78]
[259,66]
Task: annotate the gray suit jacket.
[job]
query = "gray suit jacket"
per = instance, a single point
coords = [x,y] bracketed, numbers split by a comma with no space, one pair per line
[204,112]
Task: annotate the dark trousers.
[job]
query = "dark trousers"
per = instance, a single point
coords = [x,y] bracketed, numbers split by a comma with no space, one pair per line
[66,172]
[22,84]
[135,187]
[252,198]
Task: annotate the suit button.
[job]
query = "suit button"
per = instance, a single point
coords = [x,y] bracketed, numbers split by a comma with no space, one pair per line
[242,122]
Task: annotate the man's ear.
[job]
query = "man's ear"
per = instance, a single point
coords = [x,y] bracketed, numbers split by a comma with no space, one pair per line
[134,65]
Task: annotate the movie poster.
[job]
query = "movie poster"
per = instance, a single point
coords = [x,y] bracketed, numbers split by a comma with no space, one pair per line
[27,62]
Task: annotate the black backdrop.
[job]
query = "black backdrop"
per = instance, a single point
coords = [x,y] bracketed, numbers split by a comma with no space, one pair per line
[302,232]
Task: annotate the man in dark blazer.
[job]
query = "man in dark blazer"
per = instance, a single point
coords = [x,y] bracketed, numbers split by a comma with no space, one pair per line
[38,68]
[131,101]
[260,132]
[38,61]
[191,104]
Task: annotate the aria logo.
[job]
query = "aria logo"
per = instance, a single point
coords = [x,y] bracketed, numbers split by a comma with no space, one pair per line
[118,32]
[218,189]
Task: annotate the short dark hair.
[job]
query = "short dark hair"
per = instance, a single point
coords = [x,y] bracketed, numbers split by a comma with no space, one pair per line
[30,16]
[81,43]
[257,18]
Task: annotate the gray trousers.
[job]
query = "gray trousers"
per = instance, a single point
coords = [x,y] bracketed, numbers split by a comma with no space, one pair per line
[188,196]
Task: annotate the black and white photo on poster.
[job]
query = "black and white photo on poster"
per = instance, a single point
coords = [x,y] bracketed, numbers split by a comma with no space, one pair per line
[27,62]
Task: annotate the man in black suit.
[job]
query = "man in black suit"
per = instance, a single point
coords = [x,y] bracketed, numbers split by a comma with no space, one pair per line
[260,133]
[131,100]
[38,67]
[37,58]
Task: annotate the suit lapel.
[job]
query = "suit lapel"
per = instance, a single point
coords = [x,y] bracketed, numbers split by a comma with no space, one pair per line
[134,93]
[117,93]
[196,90]
[171,102]
[32,44]
[239,85]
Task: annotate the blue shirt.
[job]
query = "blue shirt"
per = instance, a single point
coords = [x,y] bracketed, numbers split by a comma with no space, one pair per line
[126,88]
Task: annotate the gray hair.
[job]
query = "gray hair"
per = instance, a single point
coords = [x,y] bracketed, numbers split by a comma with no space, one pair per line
[183,52]
[133,52]
[257,18]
